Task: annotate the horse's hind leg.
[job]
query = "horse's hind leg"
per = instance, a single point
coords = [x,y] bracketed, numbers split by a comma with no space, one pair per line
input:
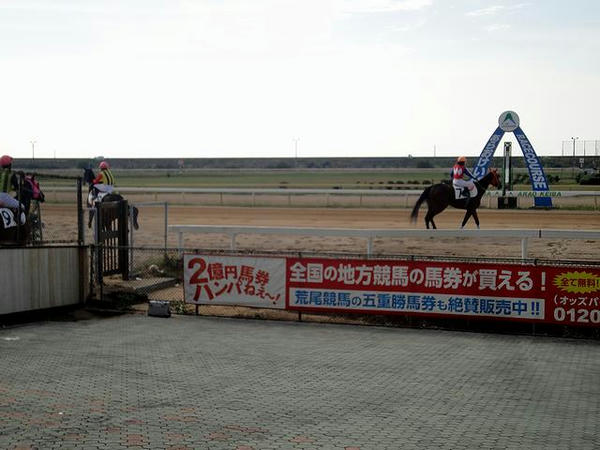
[428,219]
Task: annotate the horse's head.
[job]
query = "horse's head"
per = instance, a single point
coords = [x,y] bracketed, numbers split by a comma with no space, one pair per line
[495,181]
[31,184]
[88,176]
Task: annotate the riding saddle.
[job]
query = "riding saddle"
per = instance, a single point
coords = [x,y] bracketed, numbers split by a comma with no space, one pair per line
[463,192]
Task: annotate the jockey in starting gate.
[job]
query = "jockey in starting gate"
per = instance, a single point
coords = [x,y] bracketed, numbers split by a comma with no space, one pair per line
[104,182]
[462,179]
[8,182]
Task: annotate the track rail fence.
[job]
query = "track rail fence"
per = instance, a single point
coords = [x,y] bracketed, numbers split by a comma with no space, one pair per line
[329,197]
[369,234]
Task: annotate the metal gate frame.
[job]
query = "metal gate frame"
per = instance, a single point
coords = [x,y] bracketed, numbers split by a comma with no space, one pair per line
[111,236]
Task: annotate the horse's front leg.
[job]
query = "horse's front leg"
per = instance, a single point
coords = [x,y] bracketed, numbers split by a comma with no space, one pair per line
[466,218]
[135,218]
[91,217]
[476,218]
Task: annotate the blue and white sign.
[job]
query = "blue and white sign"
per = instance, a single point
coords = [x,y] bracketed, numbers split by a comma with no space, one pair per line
[487,154]
[509,122]
[534,167]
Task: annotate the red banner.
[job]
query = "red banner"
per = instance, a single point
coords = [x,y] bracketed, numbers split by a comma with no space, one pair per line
[445,289]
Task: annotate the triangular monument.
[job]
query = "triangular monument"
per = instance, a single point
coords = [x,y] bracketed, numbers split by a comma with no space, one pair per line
[509,122]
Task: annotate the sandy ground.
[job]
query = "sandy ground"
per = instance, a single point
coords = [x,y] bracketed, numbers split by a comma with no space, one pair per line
[60,224]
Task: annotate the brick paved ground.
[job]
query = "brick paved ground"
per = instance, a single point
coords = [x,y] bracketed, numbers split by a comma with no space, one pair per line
[189,382]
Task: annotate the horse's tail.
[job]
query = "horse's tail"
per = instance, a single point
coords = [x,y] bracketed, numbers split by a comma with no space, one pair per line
[422,198]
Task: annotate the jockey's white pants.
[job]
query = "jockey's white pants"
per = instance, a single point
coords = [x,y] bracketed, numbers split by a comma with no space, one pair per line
[465,184]
[104,187]
[8,202]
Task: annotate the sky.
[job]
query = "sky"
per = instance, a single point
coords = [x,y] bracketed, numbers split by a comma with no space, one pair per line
[286,78]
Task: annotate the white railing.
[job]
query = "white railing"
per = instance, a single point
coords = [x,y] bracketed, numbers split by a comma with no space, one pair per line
[360,193]
[370,234]
[285,191]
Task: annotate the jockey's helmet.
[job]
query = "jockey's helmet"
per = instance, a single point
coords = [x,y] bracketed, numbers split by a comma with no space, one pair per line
[5,161]
[461,159]
[104,165]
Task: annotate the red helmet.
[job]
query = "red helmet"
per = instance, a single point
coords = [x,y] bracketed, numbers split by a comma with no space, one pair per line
[104,165]
[5,161]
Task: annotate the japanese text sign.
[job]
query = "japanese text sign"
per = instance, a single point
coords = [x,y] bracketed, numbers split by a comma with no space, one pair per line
[492,290]
[234,280]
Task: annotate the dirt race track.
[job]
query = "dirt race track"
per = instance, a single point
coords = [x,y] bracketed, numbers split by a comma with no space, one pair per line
[60,223]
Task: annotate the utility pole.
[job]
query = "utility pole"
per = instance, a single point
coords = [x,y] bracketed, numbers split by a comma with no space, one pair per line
[574,161]
[33,142]
[296,151]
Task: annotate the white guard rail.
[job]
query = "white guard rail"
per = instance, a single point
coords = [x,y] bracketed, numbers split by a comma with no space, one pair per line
[253,192]
[370,234]
[283,191]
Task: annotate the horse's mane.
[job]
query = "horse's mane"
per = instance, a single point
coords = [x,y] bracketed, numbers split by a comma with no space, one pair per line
[88,175]
[486,180]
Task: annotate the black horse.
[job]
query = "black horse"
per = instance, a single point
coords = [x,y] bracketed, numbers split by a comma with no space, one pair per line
[88,177]
[12,230]
[440,196]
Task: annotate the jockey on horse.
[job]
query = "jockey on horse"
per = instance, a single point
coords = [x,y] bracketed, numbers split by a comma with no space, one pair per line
[102,189]
[462,180]
[8,182]
[103,184]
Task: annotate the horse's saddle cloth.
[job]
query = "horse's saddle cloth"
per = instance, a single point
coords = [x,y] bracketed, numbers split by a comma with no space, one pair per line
[8,217]
[459,192]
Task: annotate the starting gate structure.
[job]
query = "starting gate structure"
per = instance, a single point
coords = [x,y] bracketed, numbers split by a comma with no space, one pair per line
[112,239]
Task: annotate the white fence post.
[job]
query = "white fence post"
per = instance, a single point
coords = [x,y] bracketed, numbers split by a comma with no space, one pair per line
[524,248]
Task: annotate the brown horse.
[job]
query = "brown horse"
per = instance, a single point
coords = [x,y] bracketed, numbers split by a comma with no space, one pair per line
[440,196]
[88,176]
